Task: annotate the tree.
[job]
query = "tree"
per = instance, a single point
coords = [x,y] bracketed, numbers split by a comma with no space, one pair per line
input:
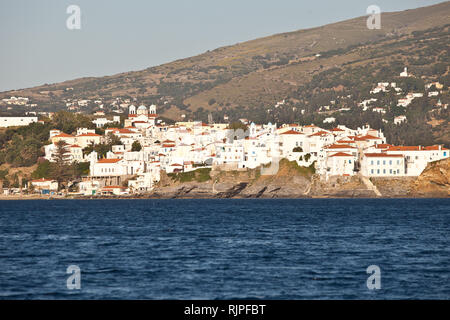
[113,140]
[237,125]
[42,171]
[69,122]
[60,168]
[136,146]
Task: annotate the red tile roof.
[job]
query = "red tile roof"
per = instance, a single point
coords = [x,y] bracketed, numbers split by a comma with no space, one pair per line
[89,135]
[341,154]
[123,131]
[339,146]
[291,132]
[320,133]
[415,148]
[367,137]
[435,148]
[63,135]
[108,160]
[383,146]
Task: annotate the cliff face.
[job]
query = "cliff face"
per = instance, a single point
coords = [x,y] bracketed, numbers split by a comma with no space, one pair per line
[292,181]
[434,180]
[341,187]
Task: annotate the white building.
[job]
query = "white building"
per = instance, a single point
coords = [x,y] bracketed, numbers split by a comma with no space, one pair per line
[404,73]
[418,157]
[399,119]
[382,165]
[45,184]
[340,164]
[16,121]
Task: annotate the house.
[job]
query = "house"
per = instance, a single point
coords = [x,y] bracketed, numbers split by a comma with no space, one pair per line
[230,154]
[329,120]
[87,139]
[340,164]
[89,187]
[16,121]
[404,74]
[417,157]
[290,140]
[45,185]
[399,119]
[382,165]
[433,94]
[108,168]
[379,110]
[67,138]
[114,190]
[101,122]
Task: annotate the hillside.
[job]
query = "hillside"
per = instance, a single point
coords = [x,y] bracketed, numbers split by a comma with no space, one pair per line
[247,79]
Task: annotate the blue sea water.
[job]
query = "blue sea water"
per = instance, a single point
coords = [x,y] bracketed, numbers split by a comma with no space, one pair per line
[225,249]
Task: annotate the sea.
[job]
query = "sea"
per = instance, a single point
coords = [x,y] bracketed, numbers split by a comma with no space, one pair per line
[225,249]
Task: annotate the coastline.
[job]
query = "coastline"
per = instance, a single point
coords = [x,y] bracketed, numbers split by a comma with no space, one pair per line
[159,197]
[288,183]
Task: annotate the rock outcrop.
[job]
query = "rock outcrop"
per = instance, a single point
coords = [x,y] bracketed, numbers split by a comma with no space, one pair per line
[292,181]
[434,180]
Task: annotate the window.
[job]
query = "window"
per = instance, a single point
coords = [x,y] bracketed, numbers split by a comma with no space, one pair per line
[384,162]
[445,153]
[390,162]
[378,163]
[384,171]
[371,171]
[371,162]
[378,171]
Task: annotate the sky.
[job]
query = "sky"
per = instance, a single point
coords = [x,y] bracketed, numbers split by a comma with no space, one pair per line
[36,47]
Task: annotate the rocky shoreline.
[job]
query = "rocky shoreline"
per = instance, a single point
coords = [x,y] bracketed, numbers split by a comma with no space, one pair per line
[290,182]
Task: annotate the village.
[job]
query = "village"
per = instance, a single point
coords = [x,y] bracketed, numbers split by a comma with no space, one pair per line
[188,146]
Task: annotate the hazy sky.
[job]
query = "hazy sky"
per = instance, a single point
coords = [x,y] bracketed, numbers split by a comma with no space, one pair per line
[124,35]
